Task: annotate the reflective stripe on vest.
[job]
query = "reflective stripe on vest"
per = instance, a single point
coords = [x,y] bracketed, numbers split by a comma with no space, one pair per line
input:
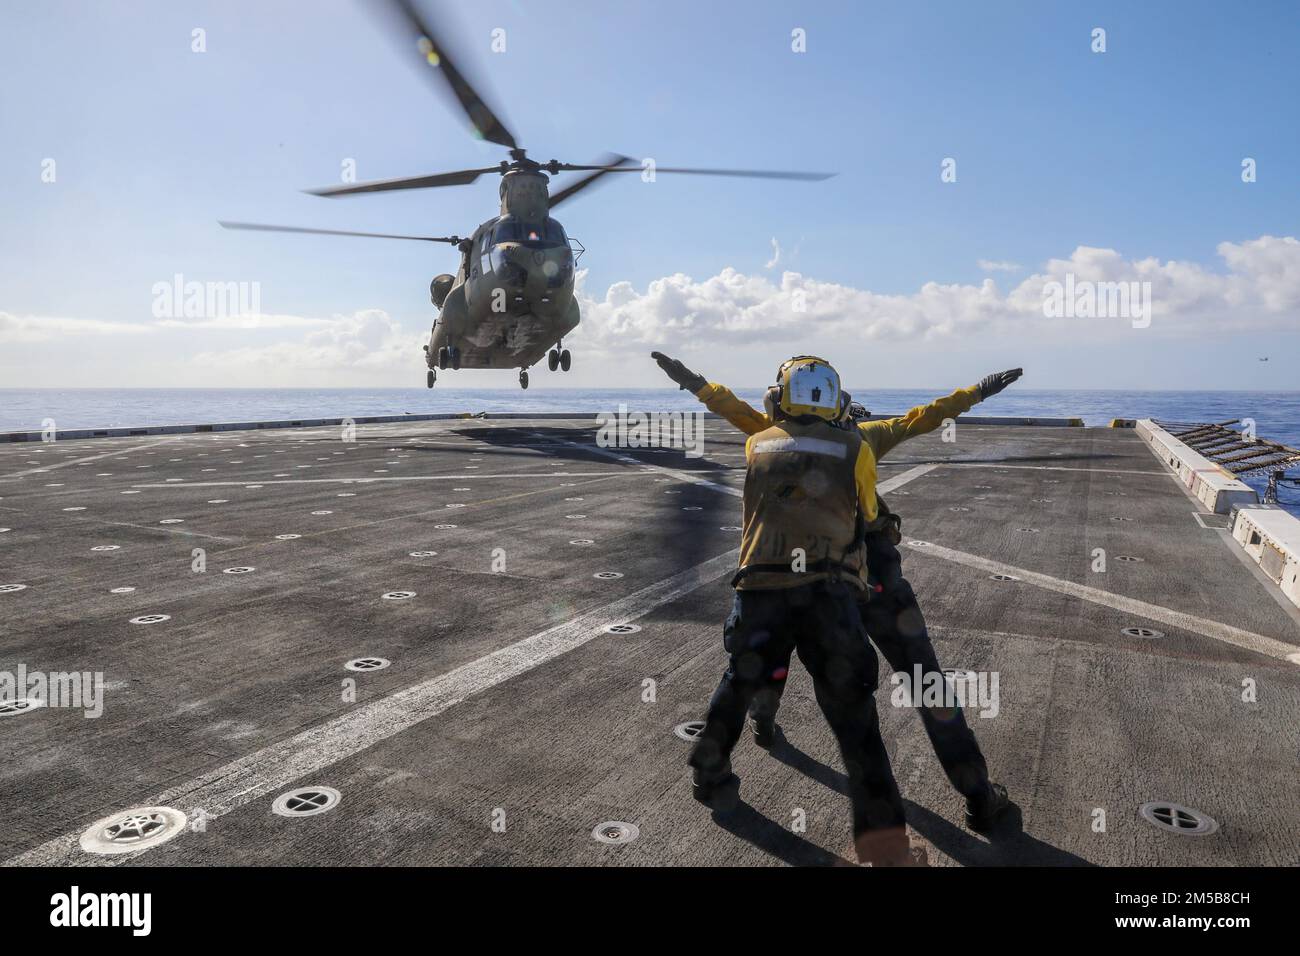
[813,446]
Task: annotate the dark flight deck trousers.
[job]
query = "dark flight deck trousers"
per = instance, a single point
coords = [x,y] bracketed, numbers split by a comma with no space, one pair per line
[893,620]
[820,620]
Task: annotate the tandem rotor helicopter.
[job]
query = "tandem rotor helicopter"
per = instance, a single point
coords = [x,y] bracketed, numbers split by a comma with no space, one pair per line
[511,300]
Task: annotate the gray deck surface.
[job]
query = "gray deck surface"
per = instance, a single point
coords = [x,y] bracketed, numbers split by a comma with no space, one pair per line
[239,695]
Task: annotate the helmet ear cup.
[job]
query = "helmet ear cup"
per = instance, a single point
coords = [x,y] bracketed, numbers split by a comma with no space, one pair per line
[846,405]
[772,401]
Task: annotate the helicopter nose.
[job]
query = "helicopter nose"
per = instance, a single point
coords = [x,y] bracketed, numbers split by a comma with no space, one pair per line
[534,272]
[556,266]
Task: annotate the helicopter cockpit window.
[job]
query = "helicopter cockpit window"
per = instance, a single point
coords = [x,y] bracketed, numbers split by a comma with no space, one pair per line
[537,235]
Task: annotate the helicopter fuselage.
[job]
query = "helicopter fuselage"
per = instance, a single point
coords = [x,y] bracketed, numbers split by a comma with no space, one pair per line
[512,297]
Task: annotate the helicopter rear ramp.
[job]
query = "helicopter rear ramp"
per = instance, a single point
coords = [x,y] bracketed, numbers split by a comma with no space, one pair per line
[534,616]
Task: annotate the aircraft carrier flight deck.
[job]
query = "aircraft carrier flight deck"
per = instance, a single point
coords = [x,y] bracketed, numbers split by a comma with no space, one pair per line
[484,641]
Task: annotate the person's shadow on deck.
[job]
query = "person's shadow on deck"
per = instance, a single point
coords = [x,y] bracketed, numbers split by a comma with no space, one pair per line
[790,848]
[1007,845]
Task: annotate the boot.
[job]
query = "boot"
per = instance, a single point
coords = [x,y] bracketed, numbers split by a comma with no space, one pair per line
[764,728]
[714,788]
[983,813]
[917,856]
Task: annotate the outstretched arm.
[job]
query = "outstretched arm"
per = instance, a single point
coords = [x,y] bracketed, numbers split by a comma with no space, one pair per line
[992,384]
[885,435]
[679,373]
[716,398]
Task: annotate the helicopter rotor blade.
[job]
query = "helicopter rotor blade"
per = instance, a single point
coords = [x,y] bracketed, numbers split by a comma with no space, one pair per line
[611,161]
[415,36]
[259,227]
[461,177]
[744,173]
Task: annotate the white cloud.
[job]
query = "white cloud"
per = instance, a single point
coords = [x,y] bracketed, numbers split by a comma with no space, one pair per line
[1270,266]
[1001,265]
[249,321]
[1254,286]
[776,255]
[366,340]
[36,328]
[1259,290]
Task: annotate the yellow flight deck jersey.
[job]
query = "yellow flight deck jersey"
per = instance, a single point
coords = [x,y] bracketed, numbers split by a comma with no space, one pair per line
[878,439]
[805,484]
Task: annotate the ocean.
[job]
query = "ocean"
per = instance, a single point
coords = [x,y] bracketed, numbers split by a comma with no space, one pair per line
[1276,414]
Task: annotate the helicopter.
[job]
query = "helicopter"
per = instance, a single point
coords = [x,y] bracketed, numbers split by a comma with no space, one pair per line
[511,300]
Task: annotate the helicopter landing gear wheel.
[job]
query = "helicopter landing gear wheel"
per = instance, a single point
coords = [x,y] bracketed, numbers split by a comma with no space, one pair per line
[433,377]
[523,378]
[565,360]
[553,360]
[455,358]
[442,357]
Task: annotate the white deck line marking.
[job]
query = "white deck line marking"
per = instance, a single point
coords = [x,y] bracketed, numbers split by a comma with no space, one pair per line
[897,481]
[958,463]
[366,481]
[439,510]
[1237,637]
[148,527]
[81,461]
[275,767]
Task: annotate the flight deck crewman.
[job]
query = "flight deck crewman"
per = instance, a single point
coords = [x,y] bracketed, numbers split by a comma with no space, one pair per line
[892,618]
[806,482]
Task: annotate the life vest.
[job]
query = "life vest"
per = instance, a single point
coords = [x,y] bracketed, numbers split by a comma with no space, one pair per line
[801,514]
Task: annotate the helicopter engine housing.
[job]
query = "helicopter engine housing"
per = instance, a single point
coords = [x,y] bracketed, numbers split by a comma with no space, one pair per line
[439,288]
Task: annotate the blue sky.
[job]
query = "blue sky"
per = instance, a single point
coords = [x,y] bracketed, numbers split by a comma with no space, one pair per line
[1136,150]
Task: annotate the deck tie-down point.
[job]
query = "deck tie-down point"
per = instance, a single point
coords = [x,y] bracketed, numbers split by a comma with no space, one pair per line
[306,801]
[132,830]
[1176,818]
[615,832]
[1144,632]
[689,730]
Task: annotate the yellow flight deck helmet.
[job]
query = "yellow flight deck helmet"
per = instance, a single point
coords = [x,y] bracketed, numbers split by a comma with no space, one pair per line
[808,385]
